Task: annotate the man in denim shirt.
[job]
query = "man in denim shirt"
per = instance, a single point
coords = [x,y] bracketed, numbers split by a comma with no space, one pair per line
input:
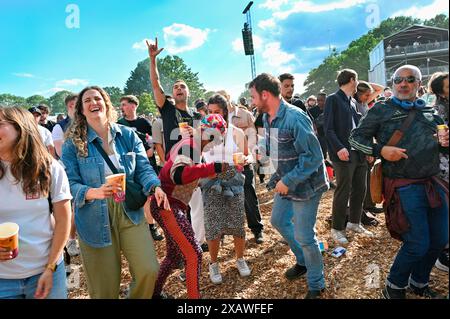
[299,180]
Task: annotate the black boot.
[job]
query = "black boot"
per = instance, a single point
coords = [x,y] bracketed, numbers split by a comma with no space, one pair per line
[295,272]
[391,293]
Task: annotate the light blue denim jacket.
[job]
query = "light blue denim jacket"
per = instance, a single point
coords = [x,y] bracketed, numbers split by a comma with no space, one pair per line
[295,153]
[91,217]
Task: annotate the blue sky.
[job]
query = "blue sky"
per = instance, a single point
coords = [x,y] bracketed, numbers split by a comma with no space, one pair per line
[40,53]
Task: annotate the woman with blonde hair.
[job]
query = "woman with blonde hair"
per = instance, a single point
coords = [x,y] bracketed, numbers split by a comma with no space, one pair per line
[95,148]
[38,201]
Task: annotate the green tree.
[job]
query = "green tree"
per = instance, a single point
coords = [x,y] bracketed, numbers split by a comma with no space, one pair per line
[115,94]
[171,68]
[146,104]
[56,102]
[356,56]
[12,100]
[35,100]
[439,21]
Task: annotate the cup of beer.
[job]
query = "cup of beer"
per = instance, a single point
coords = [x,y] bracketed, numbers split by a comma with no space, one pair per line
[117,179]
[9,237]
[441,129]
[238,159]
[183,125]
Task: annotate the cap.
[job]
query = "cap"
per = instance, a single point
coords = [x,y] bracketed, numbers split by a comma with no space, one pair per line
[200,105]
[34,109]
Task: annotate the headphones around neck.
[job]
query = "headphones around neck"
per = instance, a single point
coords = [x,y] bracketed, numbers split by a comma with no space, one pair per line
[408,105]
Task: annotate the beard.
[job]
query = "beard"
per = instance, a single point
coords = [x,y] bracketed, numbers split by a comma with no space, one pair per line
[262,107]
[180,99]
[402,96]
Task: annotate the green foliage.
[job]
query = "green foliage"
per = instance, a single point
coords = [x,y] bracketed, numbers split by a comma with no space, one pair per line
[35,100]
[56,102]
[146,105]
[356,56]
[171,68]
[439,21]
[12,100]
[115,94]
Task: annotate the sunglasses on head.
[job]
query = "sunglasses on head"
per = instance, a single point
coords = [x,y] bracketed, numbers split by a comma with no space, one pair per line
[400,79]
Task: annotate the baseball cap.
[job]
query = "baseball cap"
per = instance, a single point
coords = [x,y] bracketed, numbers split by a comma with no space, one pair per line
[34,109]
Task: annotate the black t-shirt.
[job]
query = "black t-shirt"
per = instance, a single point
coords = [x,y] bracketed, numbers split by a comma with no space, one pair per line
[259,121]
[171,116]
[318,116]
[142,127]
[49,125]
[315,111]
[298,103]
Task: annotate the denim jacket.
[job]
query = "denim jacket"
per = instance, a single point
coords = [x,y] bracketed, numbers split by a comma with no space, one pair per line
[91,217]
[295,153]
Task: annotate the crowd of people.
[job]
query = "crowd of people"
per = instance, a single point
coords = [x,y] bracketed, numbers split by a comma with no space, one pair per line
[191,173]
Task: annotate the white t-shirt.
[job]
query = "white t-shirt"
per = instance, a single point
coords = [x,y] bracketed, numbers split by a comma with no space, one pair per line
[35,222]
[223,153]
[46,136]
[57,133]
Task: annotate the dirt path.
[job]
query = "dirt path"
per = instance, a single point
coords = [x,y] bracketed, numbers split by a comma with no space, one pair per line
[360,273]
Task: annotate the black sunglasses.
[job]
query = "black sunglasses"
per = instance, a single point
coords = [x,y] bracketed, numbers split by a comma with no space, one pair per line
[400,79]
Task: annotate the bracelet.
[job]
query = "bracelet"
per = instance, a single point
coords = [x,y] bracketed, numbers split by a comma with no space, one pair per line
[153,189]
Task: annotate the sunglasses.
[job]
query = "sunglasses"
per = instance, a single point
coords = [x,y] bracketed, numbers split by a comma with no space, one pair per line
[400,79]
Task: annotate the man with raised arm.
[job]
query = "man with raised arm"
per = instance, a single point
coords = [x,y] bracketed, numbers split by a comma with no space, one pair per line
[172,114]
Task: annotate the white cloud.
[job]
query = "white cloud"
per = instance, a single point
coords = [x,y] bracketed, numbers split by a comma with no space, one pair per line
[319,48]
[308,6]
[276,58]
[181,37]
[273,4]
[24,75]
[238,45]
[425,12]
[140,45]
[299,80]
[234,89]
[265,24]
[50,92]
[72,82]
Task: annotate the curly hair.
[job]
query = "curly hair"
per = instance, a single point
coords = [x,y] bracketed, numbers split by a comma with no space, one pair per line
[31,162]
[77,130]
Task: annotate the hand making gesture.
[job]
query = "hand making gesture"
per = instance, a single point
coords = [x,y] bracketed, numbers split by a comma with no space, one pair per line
[153,50]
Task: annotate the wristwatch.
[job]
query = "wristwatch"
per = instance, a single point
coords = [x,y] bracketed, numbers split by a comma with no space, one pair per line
[52,267]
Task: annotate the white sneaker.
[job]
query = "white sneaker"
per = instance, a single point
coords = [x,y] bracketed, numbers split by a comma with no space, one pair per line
[214,273]
[72,247]
[357,228]
[242,266]
[339,237]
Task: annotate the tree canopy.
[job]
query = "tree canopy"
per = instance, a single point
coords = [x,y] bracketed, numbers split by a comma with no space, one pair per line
[171,68]
[356,56]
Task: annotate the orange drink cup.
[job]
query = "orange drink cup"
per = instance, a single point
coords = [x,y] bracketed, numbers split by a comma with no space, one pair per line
[9,237]
[441,130]
[117,179]
[183,125]
[238,159]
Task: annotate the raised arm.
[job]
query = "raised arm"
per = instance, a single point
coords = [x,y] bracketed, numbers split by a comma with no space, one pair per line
[158,92]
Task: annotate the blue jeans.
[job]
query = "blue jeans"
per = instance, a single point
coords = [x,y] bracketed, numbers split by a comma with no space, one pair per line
[296,221]
[422,244]
[25,288]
